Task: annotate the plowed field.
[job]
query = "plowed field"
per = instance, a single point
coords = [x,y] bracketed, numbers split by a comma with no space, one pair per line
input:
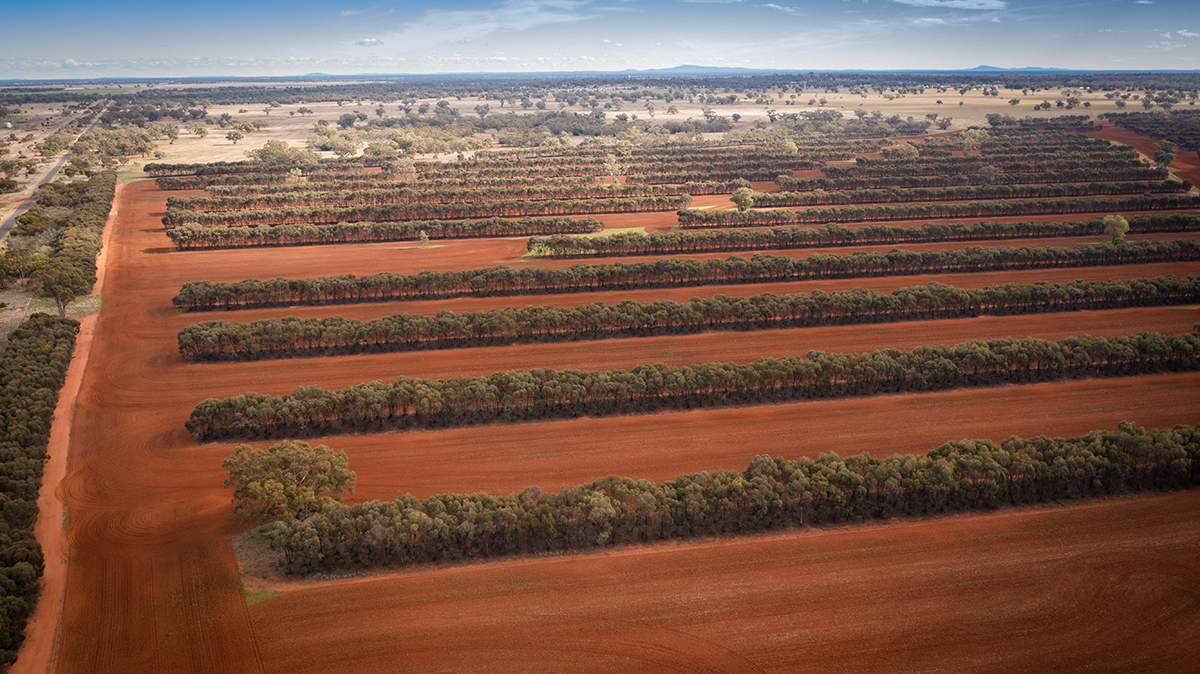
[153,583]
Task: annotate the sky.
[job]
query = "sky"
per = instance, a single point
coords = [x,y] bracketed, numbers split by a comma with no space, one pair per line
[77,40]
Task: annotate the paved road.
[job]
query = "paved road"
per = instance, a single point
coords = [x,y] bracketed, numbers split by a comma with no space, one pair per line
[28,203]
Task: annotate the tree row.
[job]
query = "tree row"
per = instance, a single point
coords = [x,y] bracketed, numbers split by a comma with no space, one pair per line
[33,367]
[1094,174]
[538,394]
[235,167]
[771,494]
[967,193]
[667,272]
[195,237]
[428,185]
[1030,164]
[407,195]
[633,168]
[917,211]
[420,210]
[294,337]
[795,237]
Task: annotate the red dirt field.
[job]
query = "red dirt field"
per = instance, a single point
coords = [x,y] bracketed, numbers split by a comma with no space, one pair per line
[153,582]
[1102,586]
[1186,164]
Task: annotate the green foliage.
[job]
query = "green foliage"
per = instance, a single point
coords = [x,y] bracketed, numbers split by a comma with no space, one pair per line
[771,494]
[62,282]
[543,393]
[32,369]
[287,481]
[277,153]
[1115,227]
[273,338]
[743,198]
[1164,152]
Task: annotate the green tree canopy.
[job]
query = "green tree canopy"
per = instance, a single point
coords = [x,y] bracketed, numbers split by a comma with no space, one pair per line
[62,282]
[288,481]
[743,198]
[1115,226]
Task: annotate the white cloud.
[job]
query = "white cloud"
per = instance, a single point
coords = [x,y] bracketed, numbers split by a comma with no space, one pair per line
[1144,2]
[927,21]
[439,27]
[1187,33]
[786,10]
[955,4]
[711,2]
[369,42]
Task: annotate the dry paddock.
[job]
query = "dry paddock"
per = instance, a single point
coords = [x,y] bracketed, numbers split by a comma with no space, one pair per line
[153,583]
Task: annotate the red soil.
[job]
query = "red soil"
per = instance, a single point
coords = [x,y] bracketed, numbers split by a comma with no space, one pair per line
[1186,164]
[153,582]
[1106,586]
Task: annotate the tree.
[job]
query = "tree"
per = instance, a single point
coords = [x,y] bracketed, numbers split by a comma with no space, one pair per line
[62,282]
[347,120]
[1115,226]
[1164,152]
[743,197]
[287,481]
[423,238]
[199,129]
[483,110]
[235,136]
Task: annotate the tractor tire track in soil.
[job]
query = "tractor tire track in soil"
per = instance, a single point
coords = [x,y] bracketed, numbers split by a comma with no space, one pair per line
[1109,585]
[153,581]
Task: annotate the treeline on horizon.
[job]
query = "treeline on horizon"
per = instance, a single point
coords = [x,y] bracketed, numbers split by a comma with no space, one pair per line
[666,272]
[294,337]
[539,394]
[772,494]
[391,88]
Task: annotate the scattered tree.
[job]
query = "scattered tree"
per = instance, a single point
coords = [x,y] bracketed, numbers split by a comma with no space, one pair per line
[289,481]
[743,197]
[1115,226]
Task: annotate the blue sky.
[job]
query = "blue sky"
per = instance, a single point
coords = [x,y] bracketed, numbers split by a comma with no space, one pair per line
[220,37]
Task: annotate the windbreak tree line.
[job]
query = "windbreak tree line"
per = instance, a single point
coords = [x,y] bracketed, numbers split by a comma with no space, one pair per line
[33,368]
[1011,164]
[195,237]
[787,183]
[794,237]
[667,272]
[408,195]
[422,210]
[217,168]
[396,181]
[520,395]
[80,211]
[771,494]
[291,337]
[917,211]
[967,193]
[1178,126]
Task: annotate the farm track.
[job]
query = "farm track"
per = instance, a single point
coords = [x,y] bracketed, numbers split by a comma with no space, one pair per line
[153,582]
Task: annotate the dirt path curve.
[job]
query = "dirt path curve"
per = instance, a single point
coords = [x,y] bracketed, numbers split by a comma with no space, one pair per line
[37,651]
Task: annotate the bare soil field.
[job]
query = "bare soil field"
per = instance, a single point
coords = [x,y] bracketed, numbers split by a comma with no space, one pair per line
[1106,585]
[153,581]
